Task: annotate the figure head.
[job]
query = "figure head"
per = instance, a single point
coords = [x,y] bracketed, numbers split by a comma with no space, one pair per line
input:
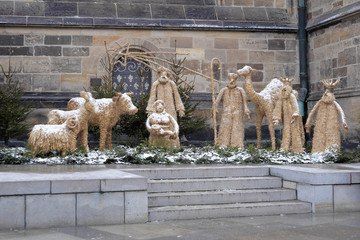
[124,102]
[159,106]
[286,91]
[287,81]
[232,80]
[164,75]
[245,71]
[330,84]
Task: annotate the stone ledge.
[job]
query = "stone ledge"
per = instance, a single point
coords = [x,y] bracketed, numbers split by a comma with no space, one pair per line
[163,24]
[333,17]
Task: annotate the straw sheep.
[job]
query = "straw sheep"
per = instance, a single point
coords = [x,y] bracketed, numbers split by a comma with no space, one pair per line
[107,113]
[58,137]
[83,113]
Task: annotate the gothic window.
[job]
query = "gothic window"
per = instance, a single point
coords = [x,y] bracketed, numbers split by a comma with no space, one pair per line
[128,77]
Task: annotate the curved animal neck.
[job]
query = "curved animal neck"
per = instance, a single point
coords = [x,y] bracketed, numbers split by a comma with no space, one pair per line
[249,89]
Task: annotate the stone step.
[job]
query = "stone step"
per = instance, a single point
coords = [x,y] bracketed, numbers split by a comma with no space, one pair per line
[213,184]
[228,210]
[220,197]
[201,172]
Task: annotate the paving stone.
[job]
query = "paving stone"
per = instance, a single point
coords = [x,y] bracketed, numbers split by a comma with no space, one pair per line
[61,9]
[229,13]
[100,208]
[346,198]
[43,83]
[253,44]
[261,56]
[36,64]
[7,8]
[11,40]
[167,11]
[276,44]
[44,21]
[97,10]
[31,40]
[277,15]
[82,21]
[237,55]
[130,10]
[244,3]
[29,8]
[339,72]
[136,207]
[17,51]
[56,210]
[326,68]
[194,12]
[264,3]
[181,42]
[12,210]
[76,51]
[226,43]
[47,51]
[66,65]
[57,40]
[82,40]
[347,57]
[285,57]
[255,14]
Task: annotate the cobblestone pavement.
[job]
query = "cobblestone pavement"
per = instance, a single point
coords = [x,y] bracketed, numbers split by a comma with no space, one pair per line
[297,226]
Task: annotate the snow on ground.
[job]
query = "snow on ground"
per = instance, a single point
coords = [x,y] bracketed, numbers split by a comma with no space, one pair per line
[150,155]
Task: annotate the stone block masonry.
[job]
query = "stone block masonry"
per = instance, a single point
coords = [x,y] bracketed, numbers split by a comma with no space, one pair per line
[72,199]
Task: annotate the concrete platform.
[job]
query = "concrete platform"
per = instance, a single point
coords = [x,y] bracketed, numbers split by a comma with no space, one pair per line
[318,226]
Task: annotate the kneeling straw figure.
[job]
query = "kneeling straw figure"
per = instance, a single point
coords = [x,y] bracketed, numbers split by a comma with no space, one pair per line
[287,110]
[327,127]
[231,132]
[163,128]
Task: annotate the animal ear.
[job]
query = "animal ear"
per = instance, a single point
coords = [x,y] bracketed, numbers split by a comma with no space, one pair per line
[130,94]
[83,94]
[118,94]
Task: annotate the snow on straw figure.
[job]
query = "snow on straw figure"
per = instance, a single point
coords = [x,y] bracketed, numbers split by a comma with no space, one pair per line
[231,132]
[327,127]
[163,128]
[287,110]
[164,88]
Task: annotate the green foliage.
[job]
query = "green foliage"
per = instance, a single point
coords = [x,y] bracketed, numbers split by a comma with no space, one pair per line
[189,123]
[134,125]
[13,111]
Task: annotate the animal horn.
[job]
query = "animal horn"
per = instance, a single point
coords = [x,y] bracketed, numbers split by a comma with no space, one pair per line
[72,123]
[130,94]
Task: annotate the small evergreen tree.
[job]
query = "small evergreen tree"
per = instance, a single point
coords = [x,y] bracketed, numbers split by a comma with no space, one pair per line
[13,112]
[134,126]
[189,123]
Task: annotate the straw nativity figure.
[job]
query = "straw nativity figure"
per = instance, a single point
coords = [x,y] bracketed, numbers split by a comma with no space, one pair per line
[163,128]
[327,128]
[165,89]
[231,132]
[287,110]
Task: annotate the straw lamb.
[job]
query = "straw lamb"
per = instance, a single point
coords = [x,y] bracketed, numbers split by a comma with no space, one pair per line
[57,137]
[106,114]
[83,113]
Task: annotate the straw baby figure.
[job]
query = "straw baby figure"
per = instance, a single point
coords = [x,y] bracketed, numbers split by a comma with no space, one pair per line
[163,128]
[327,127]
[287,110]
[231,132]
